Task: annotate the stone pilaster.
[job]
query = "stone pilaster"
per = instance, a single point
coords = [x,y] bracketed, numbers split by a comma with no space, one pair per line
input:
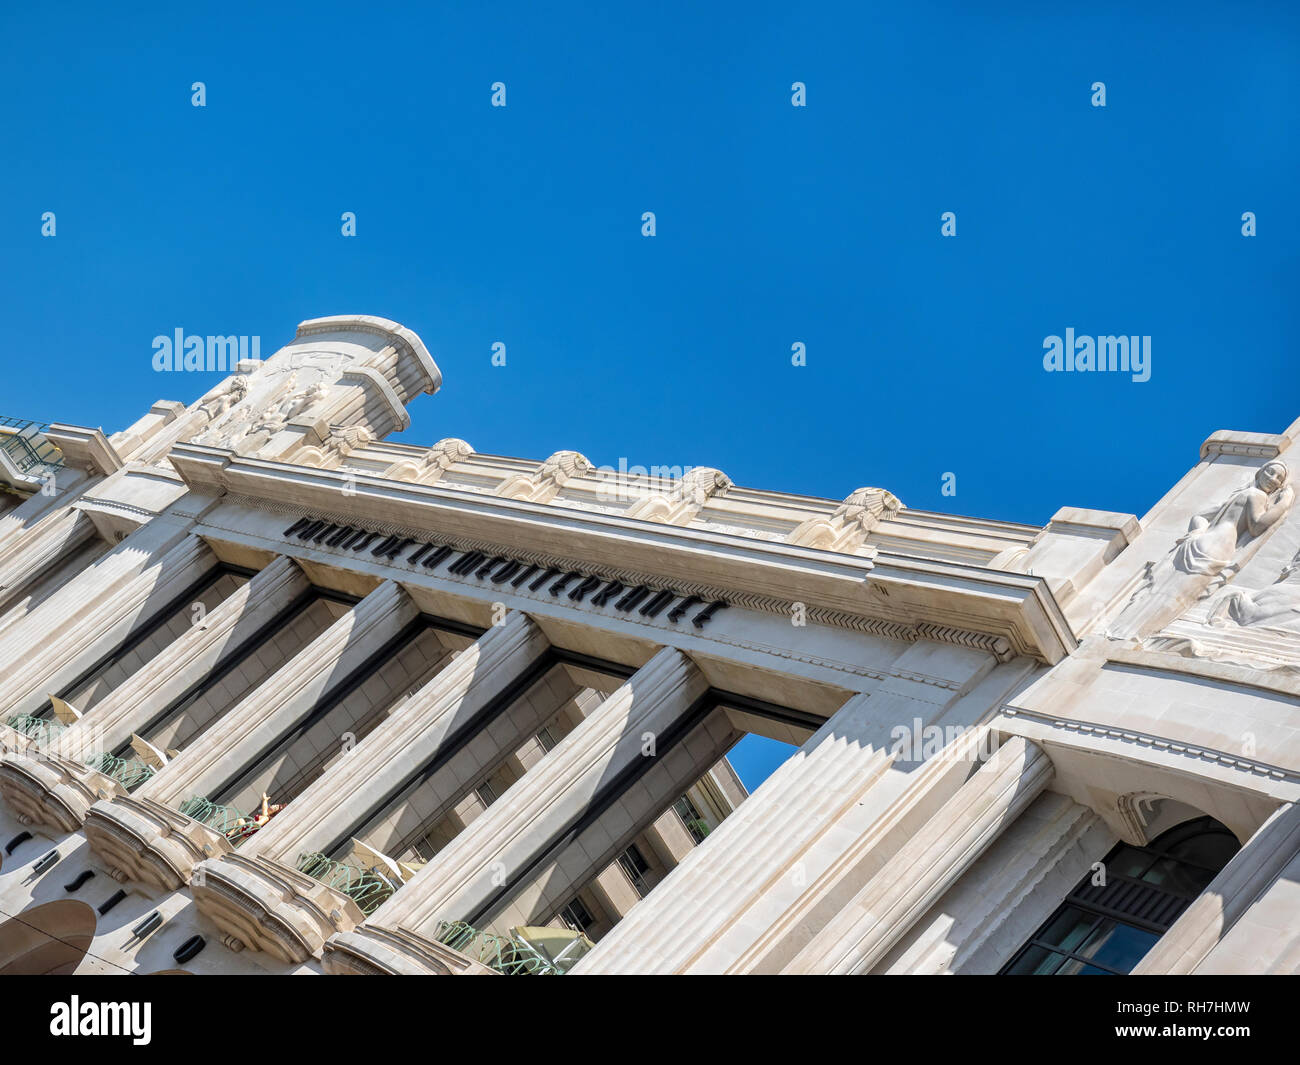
[730,892]
[928,864]
[1209,920]
[175,669]
[23,520]
[334,804]
[145,837]
[544,889]
[96,610]
[58,536]
[543,804]
[258,896]
[289,694]
[58,791]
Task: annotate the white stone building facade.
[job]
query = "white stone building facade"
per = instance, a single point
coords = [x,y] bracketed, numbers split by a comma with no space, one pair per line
[280,696]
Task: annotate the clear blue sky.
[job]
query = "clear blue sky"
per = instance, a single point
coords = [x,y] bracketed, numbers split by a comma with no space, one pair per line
[775,225]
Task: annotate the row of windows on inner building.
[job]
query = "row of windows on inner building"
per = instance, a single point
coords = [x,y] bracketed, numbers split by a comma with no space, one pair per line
[578,917]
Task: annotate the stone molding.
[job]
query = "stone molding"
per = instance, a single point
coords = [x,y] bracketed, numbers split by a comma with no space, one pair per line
[371,951]
[915,598]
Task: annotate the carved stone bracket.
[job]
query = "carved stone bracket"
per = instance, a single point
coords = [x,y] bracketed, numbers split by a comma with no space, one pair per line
[269,906]
[145,841]
[53,791]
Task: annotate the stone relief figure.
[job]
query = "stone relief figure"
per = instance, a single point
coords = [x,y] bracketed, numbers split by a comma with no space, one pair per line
[1209,554]
[229,429]
[1210,544]
[277,417]
[227,395]
[1274,607]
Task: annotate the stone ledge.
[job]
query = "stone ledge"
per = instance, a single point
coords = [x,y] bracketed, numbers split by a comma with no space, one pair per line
[377,951]
[1246,445]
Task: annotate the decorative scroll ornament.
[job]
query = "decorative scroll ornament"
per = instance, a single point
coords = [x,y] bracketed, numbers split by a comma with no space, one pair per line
[849,525]
[688,496]
[434,463]
[337,447]
[544,484]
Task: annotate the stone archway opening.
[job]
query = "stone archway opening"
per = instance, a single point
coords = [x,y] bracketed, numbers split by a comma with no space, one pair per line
[1119,911]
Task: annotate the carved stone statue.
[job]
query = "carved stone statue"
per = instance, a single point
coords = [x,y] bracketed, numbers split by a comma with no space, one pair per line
[1210,553]
[1274,607]
[1211,542]
[231,392]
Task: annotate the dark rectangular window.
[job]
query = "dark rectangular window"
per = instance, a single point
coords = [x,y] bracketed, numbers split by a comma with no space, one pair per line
[577,916]
[633,863]
[691,818]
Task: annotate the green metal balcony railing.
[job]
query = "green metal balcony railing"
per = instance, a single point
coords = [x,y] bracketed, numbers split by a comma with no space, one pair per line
[232,824]
[40,729]
[505,954]
[129,772]
[365,887]
[27,448]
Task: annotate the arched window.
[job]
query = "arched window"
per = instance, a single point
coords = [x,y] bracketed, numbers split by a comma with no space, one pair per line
[1106,928]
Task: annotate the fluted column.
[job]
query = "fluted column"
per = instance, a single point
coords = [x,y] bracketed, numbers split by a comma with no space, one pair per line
[732,890]
[174,670]
[143,837]
[24,518]
[1208,921]
[57,788]
[546,802]
[559,873]
[258,897]
[334,804]
[258,721]
[58,536]
[929,863]
[96,610]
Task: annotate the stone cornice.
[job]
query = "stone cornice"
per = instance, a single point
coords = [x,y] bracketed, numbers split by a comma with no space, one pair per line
[901,591]
[1245,445]
[1111,739]
[86,449]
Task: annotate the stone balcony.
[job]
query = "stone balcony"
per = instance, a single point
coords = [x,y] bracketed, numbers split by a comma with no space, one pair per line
[142,840]
[266,905]
[378,951]
[53,792]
